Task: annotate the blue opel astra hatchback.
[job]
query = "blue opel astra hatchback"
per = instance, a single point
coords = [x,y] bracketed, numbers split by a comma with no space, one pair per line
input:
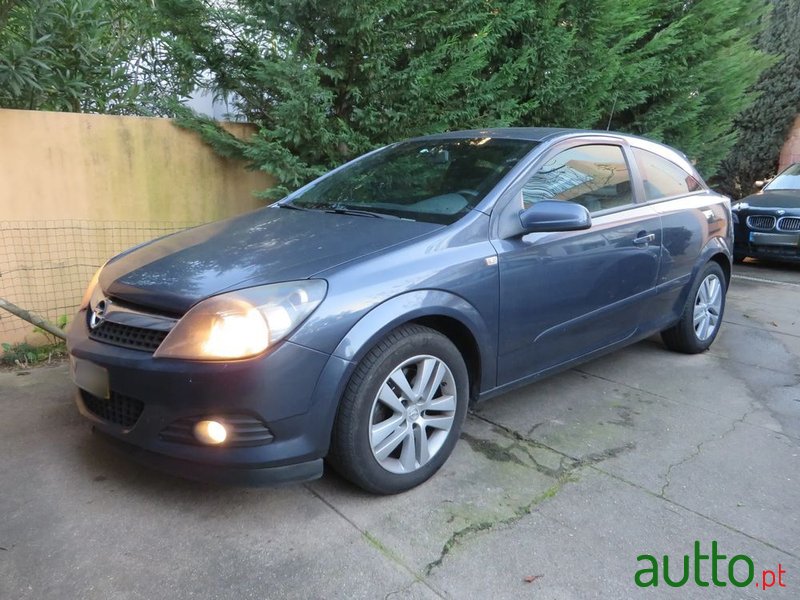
[353,322]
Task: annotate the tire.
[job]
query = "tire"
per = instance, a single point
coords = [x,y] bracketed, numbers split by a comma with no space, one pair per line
[392,458]
[706,303]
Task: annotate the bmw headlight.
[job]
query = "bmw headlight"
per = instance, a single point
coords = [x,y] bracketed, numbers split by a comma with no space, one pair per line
[243,323]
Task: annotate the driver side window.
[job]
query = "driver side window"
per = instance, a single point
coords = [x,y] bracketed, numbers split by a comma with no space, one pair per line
[595,176]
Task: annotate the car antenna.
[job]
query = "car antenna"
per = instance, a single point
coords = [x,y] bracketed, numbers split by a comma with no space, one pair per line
[611,116]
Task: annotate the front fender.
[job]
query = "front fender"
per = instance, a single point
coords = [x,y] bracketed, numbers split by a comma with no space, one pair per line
[396,311]
[370,329]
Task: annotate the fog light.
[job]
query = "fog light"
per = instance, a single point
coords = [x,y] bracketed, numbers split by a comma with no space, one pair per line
[210,432]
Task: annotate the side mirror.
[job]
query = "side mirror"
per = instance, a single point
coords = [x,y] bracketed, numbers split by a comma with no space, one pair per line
[554,215]
[760,183]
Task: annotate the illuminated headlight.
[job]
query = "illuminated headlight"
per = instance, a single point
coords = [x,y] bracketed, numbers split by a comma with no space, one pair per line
[243,323]
[93,292]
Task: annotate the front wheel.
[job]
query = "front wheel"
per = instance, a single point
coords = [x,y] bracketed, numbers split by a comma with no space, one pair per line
[702,316]
[402,411]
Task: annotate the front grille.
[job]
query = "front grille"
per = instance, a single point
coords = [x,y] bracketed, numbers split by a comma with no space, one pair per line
[243,430]
[119,409]
[761,222]
[789,223]
[126,336]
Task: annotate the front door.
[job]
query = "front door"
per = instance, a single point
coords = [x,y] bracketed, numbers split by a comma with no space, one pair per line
[565,295]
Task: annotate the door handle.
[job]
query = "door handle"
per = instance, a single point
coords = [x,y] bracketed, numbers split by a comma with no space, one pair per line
[644,239]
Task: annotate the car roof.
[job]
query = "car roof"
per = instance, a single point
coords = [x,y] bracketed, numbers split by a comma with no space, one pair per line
[533,134]
[536,134]
[542,134]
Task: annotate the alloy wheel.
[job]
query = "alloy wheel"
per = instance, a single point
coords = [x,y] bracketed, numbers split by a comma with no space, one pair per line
[412,414]
[707,307]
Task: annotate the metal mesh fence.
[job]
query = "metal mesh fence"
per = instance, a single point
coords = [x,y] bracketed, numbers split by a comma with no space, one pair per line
[46,265]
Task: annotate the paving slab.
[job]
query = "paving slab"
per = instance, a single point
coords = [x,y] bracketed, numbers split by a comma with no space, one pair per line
[584,543]
[490,478]
[610,418]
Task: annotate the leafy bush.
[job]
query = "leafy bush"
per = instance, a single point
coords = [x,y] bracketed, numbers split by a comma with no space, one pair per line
[106,56]
[24,355]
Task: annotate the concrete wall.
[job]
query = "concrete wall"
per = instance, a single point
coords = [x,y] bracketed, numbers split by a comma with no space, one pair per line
[111,168]
[790,153]
[76,189]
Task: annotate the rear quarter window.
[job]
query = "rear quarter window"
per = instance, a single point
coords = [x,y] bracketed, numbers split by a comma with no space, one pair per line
[662,178]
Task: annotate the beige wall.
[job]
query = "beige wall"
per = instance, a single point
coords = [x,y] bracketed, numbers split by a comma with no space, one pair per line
[790,153]
[112,168]
[76,189]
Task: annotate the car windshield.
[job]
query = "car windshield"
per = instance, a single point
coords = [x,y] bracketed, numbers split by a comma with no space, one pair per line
[430,180]
[788,179]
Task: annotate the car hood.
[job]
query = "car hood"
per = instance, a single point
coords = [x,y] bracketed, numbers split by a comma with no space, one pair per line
[269,245]
[775,199]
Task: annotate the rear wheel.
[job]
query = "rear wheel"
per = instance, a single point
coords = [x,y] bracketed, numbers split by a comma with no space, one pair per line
[402,411]
[702,316]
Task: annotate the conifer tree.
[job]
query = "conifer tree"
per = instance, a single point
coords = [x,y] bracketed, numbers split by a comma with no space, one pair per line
[326,81]
[762,127]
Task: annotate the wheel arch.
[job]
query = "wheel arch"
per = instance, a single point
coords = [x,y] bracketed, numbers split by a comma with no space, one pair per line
[450,315]
[464,340]
[717,250]
[725,264]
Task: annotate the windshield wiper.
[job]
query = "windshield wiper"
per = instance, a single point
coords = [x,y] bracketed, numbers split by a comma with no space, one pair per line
[339,209]
[290,205]
[343,210]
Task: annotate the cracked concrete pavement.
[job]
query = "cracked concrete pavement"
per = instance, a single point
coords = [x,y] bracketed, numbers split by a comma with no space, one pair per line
[553,491]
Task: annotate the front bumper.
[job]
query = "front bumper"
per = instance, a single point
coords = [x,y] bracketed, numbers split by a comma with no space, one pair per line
[292,390]
[249,475]
[775,244]
[767,252]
